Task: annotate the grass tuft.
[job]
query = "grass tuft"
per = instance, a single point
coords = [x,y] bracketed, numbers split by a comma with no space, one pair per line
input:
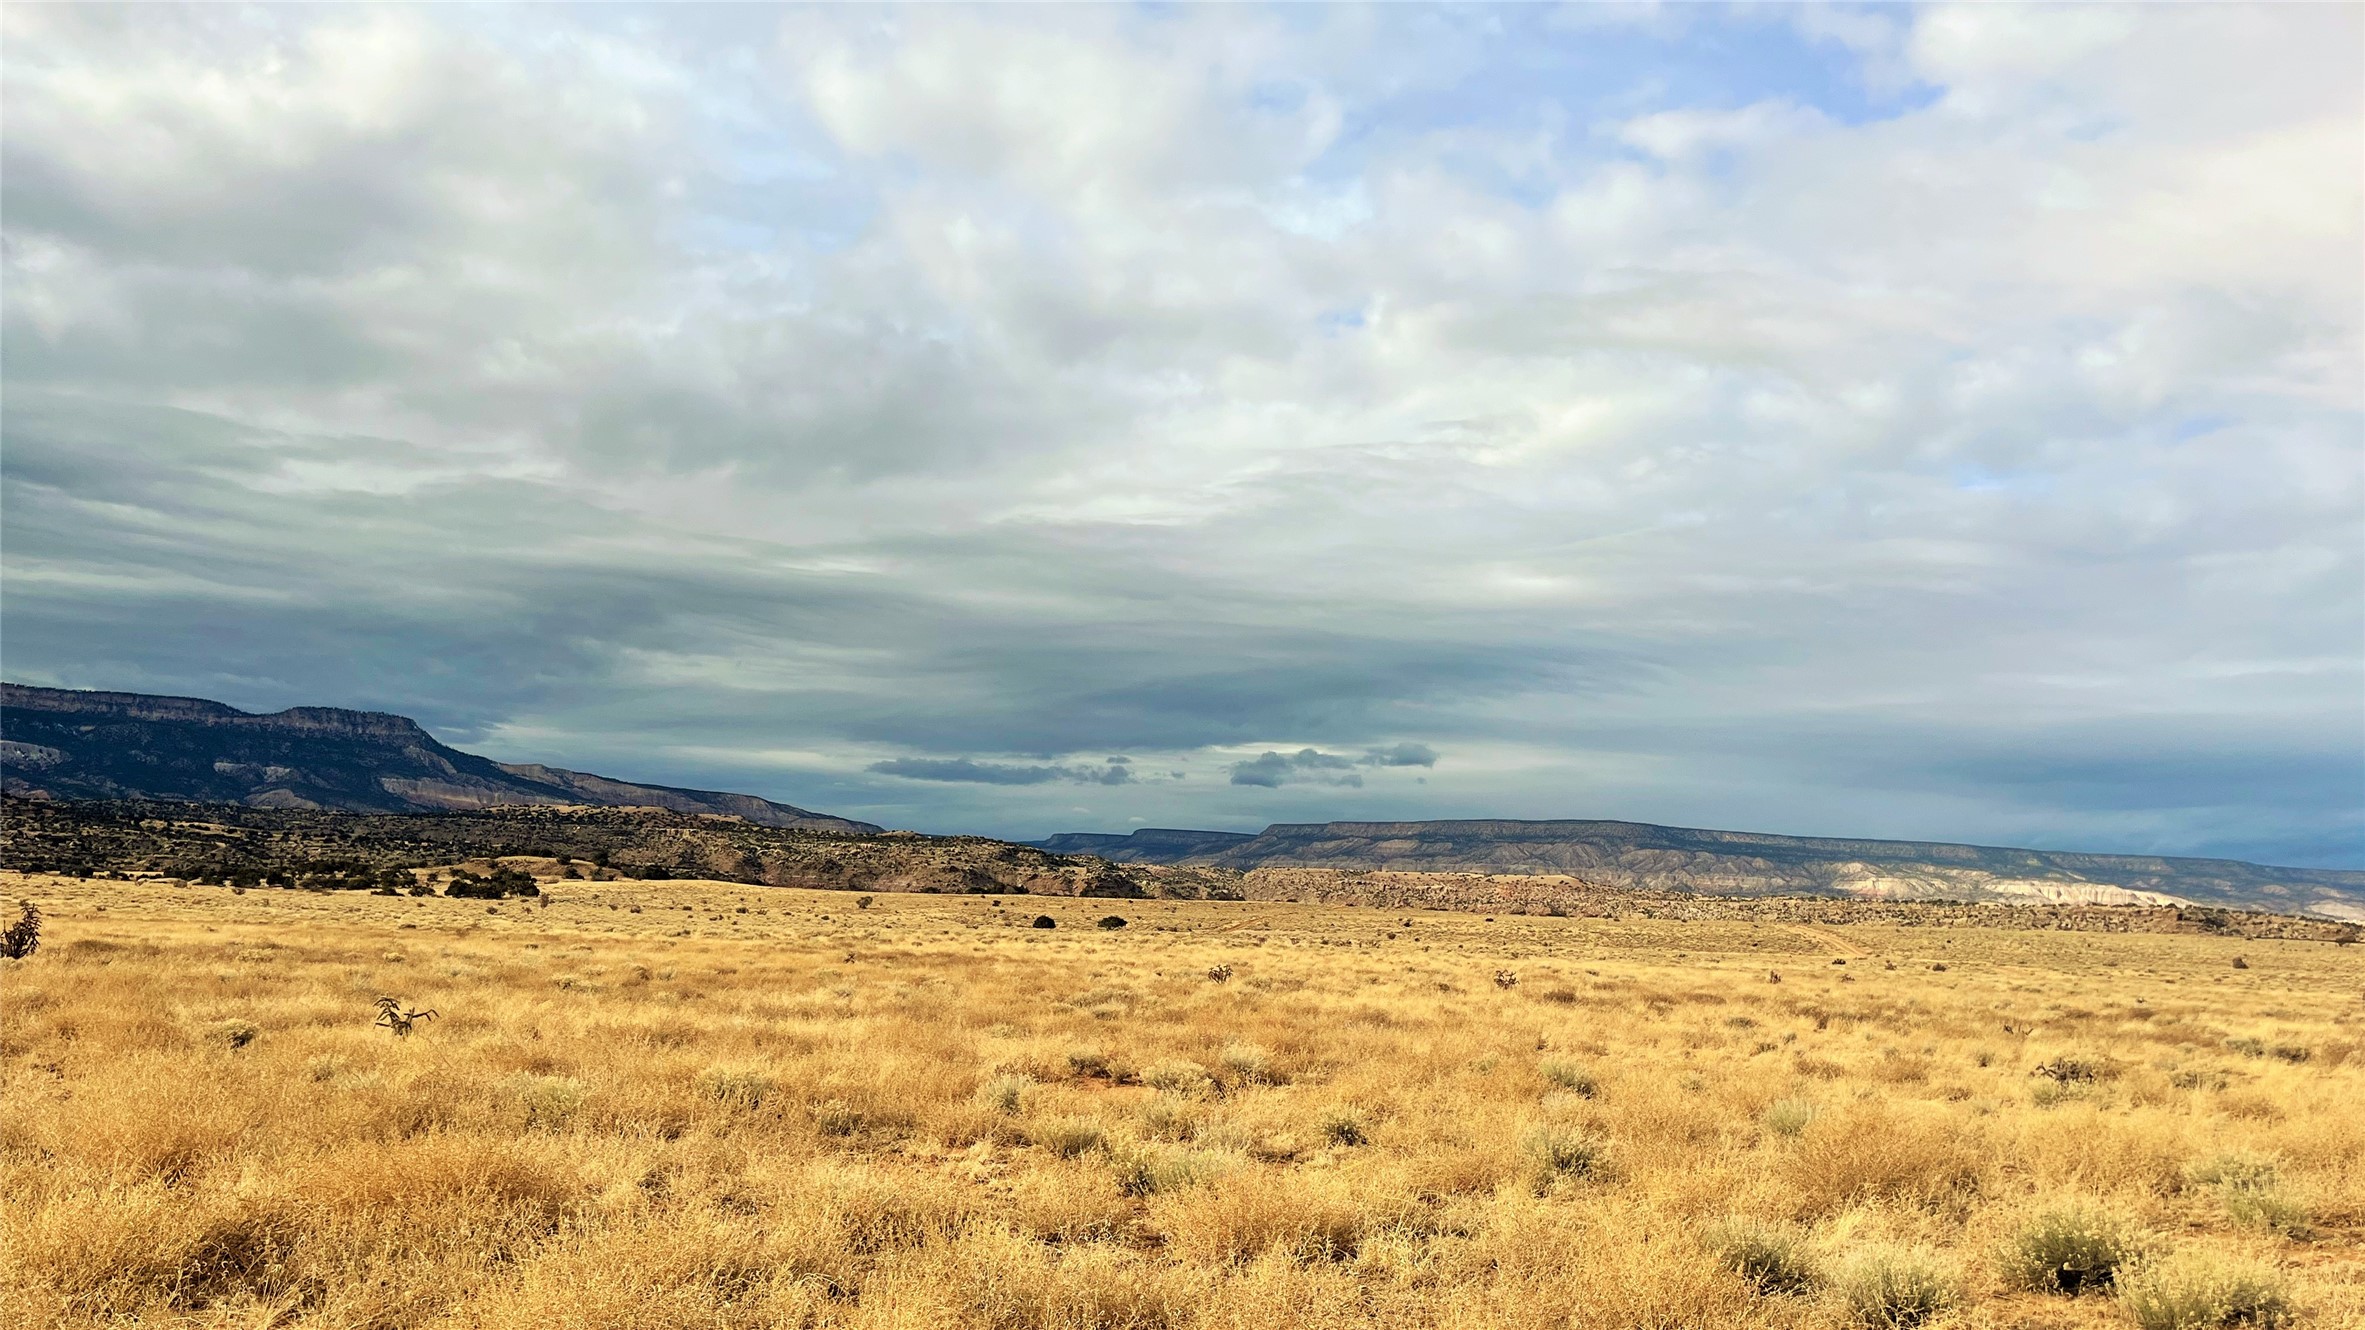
[2202,1291]
[1895,1289]
[1772,1257]
[2069,1249]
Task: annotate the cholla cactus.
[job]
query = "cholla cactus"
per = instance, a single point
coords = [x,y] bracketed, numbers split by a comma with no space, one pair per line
[23,937]
[1220,973]
[393,1017]
[1506,979]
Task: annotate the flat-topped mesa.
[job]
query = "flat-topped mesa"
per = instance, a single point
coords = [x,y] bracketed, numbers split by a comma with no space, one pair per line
[1640,856]
[67,744]
[93,706]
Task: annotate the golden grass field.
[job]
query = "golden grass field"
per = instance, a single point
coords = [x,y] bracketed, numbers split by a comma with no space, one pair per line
[679,1104]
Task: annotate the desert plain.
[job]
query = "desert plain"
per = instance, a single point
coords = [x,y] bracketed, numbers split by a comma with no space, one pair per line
[686,1104]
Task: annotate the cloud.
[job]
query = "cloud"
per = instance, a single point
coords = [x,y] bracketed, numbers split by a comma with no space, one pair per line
[1000,773]
[1273,770]
[1689,419]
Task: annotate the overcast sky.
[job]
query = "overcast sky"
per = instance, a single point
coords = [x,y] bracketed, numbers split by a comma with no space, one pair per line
[1938,423]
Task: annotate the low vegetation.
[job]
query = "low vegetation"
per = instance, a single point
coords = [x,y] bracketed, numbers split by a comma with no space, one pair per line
[700,1104]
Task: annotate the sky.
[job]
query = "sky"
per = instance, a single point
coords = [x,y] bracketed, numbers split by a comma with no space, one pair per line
[1937,423]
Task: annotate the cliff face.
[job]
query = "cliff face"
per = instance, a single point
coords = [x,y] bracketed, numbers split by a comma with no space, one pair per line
[65,744]
[1148,845]
[1635,856]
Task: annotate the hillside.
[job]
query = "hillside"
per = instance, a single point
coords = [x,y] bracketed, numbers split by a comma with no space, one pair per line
[1642,857]
[64,744]
[336,848]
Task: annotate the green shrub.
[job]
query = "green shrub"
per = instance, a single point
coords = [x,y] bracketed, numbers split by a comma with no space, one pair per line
[1568,1075]
[1146,1170]
[1773,1258]
[1003,1093]
[2070,1249]
[2252,1191]
[1789,1117]
[1554,1153]
[1343,1126]
[2053,1094]
[2198,1291]
[2268,1209]
[2234,1168]
[1895,1290]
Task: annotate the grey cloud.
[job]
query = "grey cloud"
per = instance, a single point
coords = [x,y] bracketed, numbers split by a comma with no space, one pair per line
[999,773]
[1273,770]
[1401,755]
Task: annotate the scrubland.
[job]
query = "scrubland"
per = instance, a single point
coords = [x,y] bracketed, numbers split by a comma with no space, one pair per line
[682,1104]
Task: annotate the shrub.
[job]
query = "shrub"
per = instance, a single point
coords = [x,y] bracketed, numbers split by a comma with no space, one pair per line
[235,1034]
[738,1087]
[2052,1095]
[23,937]
[2070,1249]
[2075,1071]
[1002,1093]
[2266,1208]
[1067,1137]
[1789,1117]
[2252,1192]
[1343,1126]
[1088,1062]
[1773,1258]
[863,902]
[550,1101]
[1146,1170]
[1554,1153]
[1169,1118]
[1568,1075]
[1895,1290]
[1176,1076]
[2197,1291]
[501,882]
[1247,1063]
[836,1117]
[1111,921]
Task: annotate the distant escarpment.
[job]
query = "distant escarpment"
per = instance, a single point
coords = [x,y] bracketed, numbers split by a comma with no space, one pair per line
[334,848]
[1637,856]
[60,743]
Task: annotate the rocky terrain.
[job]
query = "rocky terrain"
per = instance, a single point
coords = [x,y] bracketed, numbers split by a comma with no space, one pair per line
[318,850]
[337,848]
[63,744]
[1640,857]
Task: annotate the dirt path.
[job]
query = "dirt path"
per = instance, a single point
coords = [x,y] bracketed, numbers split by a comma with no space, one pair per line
[1825,937]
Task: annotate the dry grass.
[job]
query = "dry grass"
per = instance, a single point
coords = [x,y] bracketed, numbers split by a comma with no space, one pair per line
[642,1107]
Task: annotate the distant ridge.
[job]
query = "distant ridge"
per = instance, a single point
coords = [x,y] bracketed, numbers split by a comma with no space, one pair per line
[58,743]
[1641,856]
